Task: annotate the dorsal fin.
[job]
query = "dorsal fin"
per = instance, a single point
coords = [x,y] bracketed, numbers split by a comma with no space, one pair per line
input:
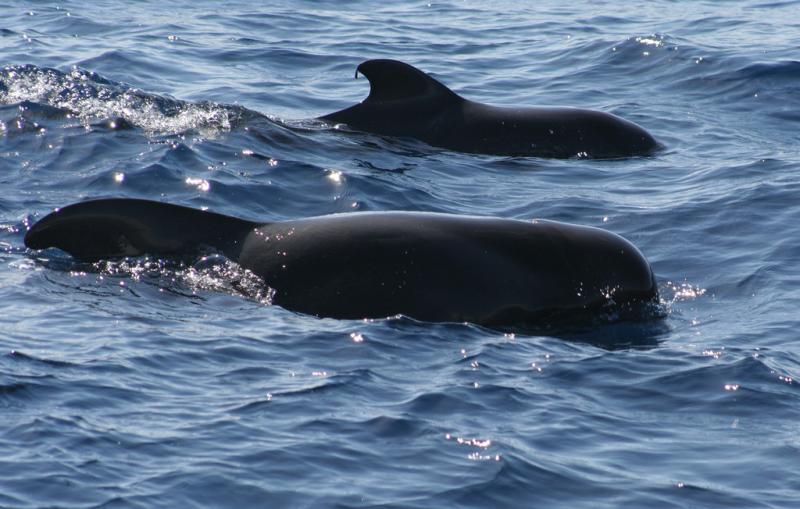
[391,80]
[109,228]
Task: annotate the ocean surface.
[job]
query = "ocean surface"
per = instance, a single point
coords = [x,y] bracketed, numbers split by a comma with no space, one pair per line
[151,383]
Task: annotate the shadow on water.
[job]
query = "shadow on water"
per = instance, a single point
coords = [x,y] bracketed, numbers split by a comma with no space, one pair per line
[641,333]
[624,335]
[638,326]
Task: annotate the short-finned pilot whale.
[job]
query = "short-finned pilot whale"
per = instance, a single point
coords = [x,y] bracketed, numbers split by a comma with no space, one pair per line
[404,101]
[427,266]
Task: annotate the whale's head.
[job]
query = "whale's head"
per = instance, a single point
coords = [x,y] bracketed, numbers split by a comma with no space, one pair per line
[591,268]
[611,272]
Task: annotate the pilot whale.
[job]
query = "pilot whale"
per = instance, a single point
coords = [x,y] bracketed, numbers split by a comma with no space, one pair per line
[427,266]
[404,101]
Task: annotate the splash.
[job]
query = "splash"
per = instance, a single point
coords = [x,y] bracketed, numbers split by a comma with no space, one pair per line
[682,292]
[210,273]
[90,98]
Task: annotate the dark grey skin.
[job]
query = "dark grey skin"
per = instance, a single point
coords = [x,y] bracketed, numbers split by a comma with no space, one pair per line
[432,267]
[404,101]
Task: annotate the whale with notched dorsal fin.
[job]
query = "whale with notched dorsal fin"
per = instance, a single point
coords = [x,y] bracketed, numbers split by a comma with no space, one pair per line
[404,101]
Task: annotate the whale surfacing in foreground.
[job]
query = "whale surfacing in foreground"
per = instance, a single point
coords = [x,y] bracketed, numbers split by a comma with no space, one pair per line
[431,267]
[404,101]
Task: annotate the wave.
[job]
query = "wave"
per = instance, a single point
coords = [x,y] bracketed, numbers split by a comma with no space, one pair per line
[88,98]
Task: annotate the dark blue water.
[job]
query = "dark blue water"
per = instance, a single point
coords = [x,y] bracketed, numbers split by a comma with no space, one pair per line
[145,383]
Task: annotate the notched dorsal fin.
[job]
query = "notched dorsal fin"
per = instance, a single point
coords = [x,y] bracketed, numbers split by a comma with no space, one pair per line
[392,80]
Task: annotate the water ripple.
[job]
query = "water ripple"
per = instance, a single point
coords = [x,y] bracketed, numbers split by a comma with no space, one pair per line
[142,382]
